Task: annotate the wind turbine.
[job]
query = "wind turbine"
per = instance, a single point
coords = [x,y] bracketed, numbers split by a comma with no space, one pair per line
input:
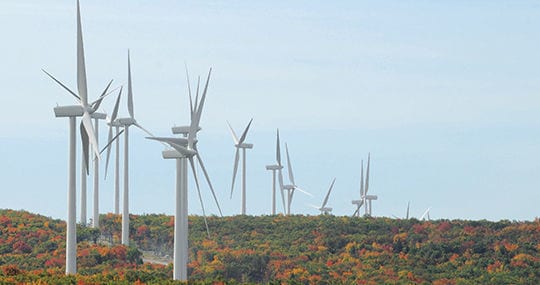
[126,123]
[185,149]
[292,186]
[84,110]
[326,210]
[364,198]
[407,213]
[274,168]
[368,198]
[425,214]
[239,144]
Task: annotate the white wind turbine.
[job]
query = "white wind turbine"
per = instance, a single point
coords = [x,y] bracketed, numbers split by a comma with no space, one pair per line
[185,149]
[292,186]
[274,168]
[425,214]
[406,214]
[126,123]
[239,144]
[326,210]
[365,199]
[84,110]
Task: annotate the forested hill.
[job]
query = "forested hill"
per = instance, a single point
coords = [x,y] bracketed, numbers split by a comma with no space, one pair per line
[303,249]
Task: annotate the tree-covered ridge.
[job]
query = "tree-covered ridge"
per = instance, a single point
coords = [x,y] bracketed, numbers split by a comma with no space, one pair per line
[313,249]
[32,247]
[281,249]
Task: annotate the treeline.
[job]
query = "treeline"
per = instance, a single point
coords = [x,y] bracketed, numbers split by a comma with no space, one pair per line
[290,249]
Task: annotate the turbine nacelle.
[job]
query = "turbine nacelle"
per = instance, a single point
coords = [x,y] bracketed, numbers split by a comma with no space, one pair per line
[69,111]
[99,116]
[126,121]
[171,154]
[289,187]
[115,123]
[244,145]
[183,130]
[274,167]
[357,202]
[370,197]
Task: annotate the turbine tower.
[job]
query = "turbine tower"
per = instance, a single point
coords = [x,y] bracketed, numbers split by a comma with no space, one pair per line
[185,149]
[112,122]
[326,210]
[292,186]
[239,144]
[126,123]
[274,168]
[88,137]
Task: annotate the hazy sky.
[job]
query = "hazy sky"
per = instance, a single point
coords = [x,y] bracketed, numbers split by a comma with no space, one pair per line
[444,94]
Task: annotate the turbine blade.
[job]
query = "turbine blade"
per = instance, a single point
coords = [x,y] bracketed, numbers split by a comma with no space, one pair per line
[328,194]
[362,179]
[356,212]
[425,213]
[196,107]
[315,207]
[115,110]
[130,91]
[81,68]
[179,141]
[145,130]
[97,103]
[278,150]
[64,86]
[235,138]
[85,149]
[87,122]
[303,191]
[108,147]
[203,98]
[291,194]
[184,151]
[110,141]
[408,204]
[280,176]
[109,150]
[189,92]
[192,163]
[199,158]
[367,175]
[244,134]
[235,168]
[289,167]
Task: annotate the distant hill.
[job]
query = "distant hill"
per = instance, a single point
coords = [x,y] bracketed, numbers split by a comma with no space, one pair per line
[274,249]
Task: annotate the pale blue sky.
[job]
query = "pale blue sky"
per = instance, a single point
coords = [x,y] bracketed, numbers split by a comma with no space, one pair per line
[444,94]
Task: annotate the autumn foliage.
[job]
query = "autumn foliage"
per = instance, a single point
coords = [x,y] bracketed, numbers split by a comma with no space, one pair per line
[278,249]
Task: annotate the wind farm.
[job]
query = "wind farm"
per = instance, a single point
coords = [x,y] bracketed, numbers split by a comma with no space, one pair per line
[343,140]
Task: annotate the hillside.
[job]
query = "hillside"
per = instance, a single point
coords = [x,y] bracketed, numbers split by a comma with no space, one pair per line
[303,249]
